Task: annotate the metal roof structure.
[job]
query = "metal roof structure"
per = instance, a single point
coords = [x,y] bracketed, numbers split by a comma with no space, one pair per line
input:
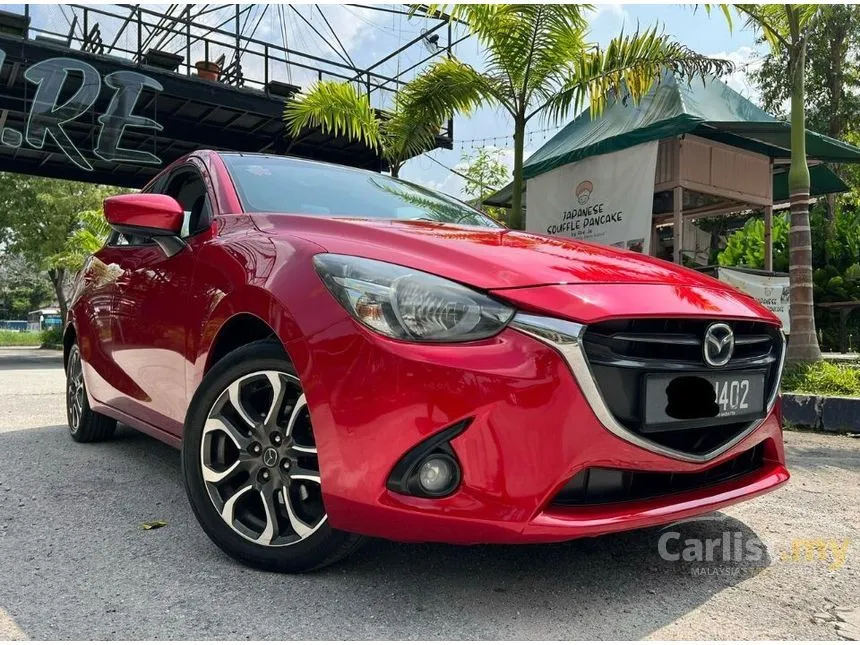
[116,93]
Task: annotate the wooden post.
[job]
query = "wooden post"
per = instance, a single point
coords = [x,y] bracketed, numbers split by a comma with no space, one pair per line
[678,220]
[655,238]
[768,238]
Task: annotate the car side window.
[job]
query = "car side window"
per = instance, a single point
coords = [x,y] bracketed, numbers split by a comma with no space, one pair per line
[188,188]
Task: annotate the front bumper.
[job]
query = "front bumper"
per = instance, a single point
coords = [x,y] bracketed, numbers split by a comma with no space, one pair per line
[534,425]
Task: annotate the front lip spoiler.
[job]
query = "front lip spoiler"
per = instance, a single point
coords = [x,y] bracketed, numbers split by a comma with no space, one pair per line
[565,337]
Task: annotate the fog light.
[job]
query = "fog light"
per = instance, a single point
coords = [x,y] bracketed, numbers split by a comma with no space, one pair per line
[438,475]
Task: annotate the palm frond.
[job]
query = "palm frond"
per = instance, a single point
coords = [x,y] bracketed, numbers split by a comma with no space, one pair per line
[630,65]
[88,237]
[807,14]
[523,43]
[771,20]
[336,108]
[406,135]
[446,87]
[559,38]
[435,207]
[725,9]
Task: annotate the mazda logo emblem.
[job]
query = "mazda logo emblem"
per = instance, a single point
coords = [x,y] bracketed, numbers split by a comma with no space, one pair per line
[270,457]
[718,345]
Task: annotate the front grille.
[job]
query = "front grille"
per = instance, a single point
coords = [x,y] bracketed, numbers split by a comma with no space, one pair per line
[621,352]
[610,486]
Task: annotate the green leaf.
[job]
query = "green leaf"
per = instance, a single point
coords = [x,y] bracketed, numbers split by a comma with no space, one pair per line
[629,66]
[336,108]
[445,88]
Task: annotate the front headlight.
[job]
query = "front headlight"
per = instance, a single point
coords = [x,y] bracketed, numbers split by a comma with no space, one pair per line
[407,304]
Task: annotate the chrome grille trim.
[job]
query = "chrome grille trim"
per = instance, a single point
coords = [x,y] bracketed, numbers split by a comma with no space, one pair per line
[565,337]
[752,340]
[666,339]
[680,339]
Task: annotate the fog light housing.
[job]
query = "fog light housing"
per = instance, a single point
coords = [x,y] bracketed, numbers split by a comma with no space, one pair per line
[438,475]
[430,468]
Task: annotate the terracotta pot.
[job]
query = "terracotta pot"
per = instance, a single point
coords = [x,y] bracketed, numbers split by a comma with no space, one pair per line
[207,70]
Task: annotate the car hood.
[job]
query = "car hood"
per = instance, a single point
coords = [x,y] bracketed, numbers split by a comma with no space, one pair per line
[504,261]
[486,258]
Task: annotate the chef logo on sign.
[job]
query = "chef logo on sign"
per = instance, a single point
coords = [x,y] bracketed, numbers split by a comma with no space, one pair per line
[583,191]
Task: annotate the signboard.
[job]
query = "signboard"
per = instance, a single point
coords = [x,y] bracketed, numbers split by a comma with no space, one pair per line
[771,291]
[605,199]
[66,90]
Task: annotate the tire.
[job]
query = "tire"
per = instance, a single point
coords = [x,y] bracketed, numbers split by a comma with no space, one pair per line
[247,460]
[85,426]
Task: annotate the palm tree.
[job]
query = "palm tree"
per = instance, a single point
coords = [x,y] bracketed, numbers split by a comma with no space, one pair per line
[539,63]
[786,27]
[339,108]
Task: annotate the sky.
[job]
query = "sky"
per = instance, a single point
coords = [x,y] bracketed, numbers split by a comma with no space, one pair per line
[366,36]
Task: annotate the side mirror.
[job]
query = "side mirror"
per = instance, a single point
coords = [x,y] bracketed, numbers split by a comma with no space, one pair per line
[148,214]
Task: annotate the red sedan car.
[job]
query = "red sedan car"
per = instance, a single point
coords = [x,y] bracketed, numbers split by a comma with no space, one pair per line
[342,354]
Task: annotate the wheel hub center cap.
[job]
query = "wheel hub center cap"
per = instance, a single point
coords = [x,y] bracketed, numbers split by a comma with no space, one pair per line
[270,457]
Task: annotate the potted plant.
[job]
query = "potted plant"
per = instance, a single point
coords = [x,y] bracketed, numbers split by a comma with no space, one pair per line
[208,70]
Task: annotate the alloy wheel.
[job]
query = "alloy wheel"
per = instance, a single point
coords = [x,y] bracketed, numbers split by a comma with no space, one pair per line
[259,460]
[75,390]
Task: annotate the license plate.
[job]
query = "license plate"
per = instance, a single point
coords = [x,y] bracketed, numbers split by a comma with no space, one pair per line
[695,399]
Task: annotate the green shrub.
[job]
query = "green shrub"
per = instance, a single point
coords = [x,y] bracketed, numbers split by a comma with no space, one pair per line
[52,336]
[745,247]
[11,338]
[853,272]
[822,377]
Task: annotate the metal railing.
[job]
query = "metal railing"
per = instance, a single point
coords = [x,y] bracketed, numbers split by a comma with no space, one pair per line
[246,62]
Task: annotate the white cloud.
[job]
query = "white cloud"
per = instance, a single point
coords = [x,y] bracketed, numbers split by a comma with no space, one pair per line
[353,26]
[612,11]
[746,60]
[349,23]
[615,8]
[451,185]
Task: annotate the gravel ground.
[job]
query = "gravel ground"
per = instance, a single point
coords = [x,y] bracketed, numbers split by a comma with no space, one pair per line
[74,563]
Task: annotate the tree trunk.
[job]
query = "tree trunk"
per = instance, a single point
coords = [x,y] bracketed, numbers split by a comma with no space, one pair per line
[516,221]
[57,277]
[803,343]
[829,225]
[835,80]
[394,168]
[836,74]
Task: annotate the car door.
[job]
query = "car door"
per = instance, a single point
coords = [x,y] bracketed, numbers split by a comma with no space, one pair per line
[96,322]
[152,303]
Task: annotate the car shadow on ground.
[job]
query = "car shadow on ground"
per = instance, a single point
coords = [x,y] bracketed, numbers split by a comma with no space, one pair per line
[75,563]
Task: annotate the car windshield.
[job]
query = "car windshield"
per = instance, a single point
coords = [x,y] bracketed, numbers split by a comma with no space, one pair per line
[268,184]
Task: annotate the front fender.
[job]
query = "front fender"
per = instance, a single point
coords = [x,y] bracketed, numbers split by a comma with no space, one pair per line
[258,274]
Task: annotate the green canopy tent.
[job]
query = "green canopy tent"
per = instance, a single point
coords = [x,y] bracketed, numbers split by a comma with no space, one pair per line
[691,121]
